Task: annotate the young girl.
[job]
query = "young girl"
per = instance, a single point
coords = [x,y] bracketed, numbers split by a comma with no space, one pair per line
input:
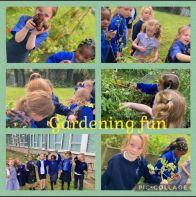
[26,35]
[37,104]
[125,169]
[11,178]
[81,168]
[106,35]
[179,52]
[147,40]
[66,166]
[169,106]
[31,173]
[83,54]
[118,25]
[42,171]
[172,156]
[82,109]
[21,173]
[166,82]
[53,168]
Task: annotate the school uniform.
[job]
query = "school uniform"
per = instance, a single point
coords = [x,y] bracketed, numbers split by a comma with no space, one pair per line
[170,158]
[131,18]
[117,24]
[105,46]
[122,174]
[177,47]
[31,173]
[12,181]
[42,171]
[17,52]
[137,28]
[21,174]
[60,56]
[80,167]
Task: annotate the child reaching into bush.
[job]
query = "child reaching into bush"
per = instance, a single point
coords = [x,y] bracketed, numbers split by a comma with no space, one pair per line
[169,106]
[106,35]
[81,168]
[83,54]
[179,52]
[28,34]
[125,169]
[66,166]
[172,156]
[118,25]
[147,41]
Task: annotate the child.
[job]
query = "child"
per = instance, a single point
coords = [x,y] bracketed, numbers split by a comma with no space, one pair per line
[179,52]
[37,104]
[66,166]
[53,168]
[83,54]
[130,20]
[11,178]
[125,169]
[106,35]
[169,106]
[26,35]
[146,13]
[184,174]
[21,173]
[42,171]
[166,82]
[172,156]
[82,109]
[81,169]
[31,173]
[148,40]
[118,24]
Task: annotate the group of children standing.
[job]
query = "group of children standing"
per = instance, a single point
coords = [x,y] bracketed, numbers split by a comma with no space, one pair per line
[146,34]
[125,169]
[19,174]
[30,32]
[40,106]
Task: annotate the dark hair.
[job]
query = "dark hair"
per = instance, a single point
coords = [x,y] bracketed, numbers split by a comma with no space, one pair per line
[54,156]
[169,81]
[90,44]
[179,144]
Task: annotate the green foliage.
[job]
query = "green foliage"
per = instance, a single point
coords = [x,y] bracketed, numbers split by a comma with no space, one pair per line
[68,28]
[117,87]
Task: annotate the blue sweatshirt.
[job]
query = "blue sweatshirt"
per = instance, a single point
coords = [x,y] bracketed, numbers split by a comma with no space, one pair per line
[105,46]
[39,166]
[122,174]
[80,166]
[66,165]
[148,88]
[56,164]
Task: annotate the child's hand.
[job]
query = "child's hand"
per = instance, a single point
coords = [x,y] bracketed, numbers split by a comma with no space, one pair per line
[94,111]
[110,34]
[142,49]
[133,86]
[72,118]
[30,24]
[118,54]
[164,182]
[66,61]
[175,177]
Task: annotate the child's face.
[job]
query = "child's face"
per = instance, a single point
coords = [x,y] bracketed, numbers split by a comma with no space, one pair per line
[134,148]
[146,14]
[150,32]
[81,158]
[105,19]
[46,12]
[185,37]
[179,153]
[42,157]
[125,11]
[83,54]
[11,162]
[67,156]
[36,117]
[88,87]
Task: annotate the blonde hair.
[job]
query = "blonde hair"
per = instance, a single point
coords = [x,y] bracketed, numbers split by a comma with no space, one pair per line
[81,97]
[39,84]
[88,83]
[149,8]
[143,137]
[152,24]
[54,10]
[39,102]
[116,11]
[182,30]
[34,76]
[169,106]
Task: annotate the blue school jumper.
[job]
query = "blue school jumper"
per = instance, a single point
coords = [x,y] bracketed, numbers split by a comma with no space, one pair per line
[177,47]
[136,29]
[81,112]
[54,164]
[131,18]
[39,167]
[60,56]
[170,158]
[21,174]
[119,25]
[105,46]
[80,166]
[17,52]
[122,174]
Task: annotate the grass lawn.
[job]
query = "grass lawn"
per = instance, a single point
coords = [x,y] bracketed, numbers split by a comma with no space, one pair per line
[89,182]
